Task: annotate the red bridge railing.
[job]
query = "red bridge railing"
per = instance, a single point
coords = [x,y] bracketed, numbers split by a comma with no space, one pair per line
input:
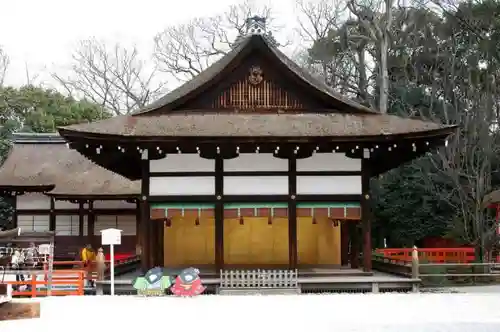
[432,255]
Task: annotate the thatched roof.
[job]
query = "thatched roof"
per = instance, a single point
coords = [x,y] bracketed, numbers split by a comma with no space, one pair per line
[340,117]
[43,161]
[18,235]
[249,43]
[250,125]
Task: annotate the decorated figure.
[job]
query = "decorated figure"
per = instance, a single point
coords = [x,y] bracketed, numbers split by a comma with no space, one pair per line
[188,283]
[101,264]
[153,283]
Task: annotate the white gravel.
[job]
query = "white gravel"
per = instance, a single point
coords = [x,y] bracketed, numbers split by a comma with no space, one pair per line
[342,312]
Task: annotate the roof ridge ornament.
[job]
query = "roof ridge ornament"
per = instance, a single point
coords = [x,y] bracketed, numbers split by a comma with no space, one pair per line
[255,25]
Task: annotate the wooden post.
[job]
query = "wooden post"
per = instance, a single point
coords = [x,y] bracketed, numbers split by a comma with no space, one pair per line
[138,237]
[14,213]
[81,219]
[344,243]
[91,225]
[219,213]
[52,215]
[366,213]
[354,253]
[145,212]
[414,263]
[292,213]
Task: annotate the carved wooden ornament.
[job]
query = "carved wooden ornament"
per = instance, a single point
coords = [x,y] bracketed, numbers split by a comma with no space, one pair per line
[255,76]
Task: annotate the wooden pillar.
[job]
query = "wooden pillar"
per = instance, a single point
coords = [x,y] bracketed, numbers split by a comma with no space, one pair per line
[160,230]
[219,213]
[144,238]
[366,213]
[146,262]
[14,208]
[138,239]
[91,226]
[52,215]
[344,243]
[354,250]
[81,219]
[292,213]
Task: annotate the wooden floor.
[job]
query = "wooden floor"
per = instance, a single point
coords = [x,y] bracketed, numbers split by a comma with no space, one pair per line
[316,274]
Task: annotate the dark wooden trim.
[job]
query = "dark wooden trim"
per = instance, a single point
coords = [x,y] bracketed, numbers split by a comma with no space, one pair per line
[181,174]
[354,248]
[344,244]
[66,197]
[91,225]
[81,218]
[52,215]
[15,213]
[256,198]
[67,212]
[219,213]
[183,199]
[292,214]
[328,198]
[147,248]
[256,173]
[138,223]
[366,215]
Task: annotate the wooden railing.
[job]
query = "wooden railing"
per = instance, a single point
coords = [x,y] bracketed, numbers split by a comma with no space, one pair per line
[434,273]
[432,255]
[79,265]
[72,280]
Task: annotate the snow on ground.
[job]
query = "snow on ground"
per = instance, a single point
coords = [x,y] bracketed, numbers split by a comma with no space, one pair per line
[333,312]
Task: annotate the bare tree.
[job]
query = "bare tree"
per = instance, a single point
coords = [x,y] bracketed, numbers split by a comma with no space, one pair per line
[4,65]
[378,29]
[185,50]
[115,77]
[338,49]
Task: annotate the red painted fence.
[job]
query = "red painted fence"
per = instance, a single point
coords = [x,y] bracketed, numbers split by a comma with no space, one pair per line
[432,255]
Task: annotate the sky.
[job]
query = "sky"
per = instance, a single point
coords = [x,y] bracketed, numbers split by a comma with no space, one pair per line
[40,34]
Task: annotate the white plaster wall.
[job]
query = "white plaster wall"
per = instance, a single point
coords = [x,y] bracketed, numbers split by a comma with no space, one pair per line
[30,223]
[171,186]
[328,162]
[183,162]
[328,185]
[114,205]
[255,162]
[33,201]
[255,185]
